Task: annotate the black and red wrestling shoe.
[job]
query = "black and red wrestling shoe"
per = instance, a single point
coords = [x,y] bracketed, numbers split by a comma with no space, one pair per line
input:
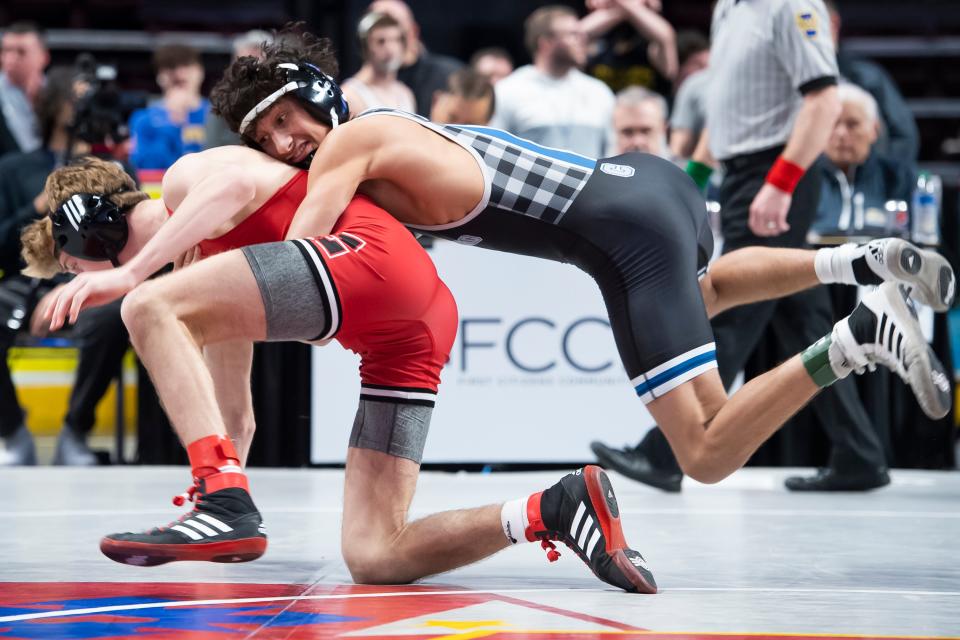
[582,512]
[224,526]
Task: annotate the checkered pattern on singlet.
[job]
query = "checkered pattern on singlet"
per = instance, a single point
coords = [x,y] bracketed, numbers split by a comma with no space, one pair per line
[526,178]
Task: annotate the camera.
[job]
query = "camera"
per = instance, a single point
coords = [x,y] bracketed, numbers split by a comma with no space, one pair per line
[101,109]
[18,299]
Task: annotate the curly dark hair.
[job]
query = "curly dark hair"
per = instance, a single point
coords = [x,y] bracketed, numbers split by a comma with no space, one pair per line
[249,80]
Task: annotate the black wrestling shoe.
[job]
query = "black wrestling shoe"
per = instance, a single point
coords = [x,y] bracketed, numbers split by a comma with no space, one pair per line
[224,526]
[830,480]
[634,464]
[582,512]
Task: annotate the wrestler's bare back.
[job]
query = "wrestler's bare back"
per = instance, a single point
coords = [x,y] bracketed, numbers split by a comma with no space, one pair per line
[266,174]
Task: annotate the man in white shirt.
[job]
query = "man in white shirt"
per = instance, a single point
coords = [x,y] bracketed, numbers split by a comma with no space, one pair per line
[23,57]
[552,102]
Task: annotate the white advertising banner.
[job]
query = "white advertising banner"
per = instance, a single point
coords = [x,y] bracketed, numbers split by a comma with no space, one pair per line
[534,374]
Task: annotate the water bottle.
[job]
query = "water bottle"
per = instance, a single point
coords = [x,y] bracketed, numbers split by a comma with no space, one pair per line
[925,223]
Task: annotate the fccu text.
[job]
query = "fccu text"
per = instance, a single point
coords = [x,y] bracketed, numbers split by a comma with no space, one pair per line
[490,333]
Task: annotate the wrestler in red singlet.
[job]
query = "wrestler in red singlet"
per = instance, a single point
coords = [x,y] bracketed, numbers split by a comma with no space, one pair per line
[384,298]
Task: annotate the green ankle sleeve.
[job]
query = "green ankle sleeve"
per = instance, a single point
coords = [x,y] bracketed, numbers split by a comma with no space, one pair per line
[699,172]
[816,360]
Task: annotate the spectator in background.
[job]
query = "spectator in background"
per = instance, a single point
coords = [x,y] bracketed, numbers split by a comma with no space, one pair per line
[494,63]
[174,126]
[424,72]
[552,102]
[689,116]
[23,57]
[634,44]
[468,99]
[640,122]
[251,43]
[858,181]
[99,331]
[899,137]
[693,55]
[382,44]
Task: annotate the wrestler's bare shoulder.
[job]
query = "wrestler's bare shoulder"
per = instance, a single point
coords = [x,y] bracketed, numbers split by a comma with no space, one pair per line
[380,131]
[229,155]
[237,162]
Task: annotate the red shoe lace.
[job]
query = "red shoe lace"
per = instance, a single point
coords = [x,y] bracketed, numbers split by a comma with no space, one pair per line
[552,554]
[188,495]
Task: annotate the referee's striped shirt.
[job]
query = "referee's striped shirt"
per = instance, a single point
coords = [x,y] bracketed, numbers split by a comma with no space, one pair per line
[764,55]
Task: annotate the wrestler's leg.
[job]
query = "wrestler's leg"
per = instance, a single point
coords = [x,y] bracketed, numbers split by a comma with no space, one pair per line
[381,547]
[758,273]
[170,319]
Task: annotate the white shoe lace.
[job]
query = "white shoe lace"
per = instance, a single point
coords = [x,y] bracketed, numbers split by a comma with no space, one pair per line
[878,354]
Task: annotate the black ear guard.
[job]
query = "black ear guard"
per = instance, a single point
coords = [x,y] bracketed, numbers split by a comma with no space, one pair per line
[90,227]
[319,93]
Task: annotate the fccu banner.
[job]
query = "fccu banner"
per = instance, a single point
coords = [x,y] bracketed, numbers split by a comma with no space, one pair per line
[534,374]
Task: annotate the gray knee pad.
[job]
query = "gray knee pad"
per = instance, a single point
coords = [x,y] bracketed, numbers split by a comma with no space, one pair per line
[392,428]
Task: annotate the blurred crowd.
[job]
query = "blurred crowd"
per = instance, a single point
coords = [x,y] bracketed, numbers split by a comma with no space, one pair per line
[611,77]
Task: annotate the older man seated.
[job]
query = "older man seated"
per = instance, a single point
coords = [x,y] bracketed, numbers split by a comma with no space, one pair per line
[861,189]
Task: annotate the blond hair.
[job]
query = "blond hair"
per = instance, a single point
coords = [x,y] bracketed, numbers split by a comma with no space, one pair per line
[86,175]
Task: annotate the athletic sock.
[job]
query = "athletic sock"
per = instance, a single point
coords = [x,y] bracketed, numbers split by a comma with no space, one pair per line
[214,460]
[513,519]
[846,264]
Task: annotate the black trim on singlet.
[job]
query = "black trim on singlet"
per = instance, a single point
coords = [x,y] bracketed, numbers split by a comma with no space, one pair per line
[351,241]
[387,387]
[424,402]
[389,400]
[327,313]
[332,246]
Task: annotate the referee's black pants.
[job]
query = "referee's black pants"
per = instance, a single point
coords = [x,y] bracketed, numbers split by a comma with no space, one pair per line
[797,321]
[103,341]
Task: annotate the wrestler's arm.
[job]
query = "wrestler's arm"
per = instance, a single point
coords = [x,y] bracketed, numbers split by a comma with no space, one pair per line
[230,364]
[342,162]
[204,197]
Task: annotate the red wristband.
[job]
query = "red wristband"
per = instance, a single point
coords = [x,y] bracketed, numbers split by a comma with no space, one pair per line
[785,175]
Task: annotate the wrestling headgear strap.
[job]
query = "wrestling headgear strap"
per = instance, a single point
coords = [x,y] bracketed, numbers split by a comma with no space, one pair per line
[317,92]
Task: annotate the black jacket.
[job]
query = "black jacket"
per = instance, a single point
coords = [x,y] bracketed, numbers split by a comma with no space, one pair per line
[859,207]
[427,75]
[22,176]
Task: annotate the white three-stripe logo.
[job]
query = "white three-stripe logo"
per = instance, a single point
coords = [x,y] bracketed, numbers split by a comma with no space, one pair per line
[588,525]
[201,528]
[74,209]
[890,335]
